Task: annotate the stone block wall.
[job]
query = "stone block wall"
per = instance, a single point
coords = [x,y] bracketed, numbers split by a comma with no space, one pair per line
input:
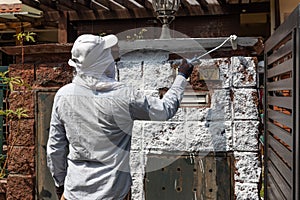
[228,124]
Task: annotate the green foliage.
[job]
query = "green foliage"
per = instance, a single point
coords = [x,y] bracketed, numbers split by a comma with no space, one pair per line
[262,192]
[19,113]
[12,81]
[138,36]
[25,37]
[2,160]
[10,115]
[28,37]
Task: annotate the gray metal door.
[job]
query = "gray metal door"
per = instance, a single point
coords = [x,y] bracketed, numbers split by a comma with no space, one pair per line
[190,177]
[45,184]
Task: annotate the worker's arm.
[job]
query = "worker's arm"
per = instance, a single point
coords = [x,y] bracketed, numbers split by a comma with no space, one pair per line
[57,148]
[152,108]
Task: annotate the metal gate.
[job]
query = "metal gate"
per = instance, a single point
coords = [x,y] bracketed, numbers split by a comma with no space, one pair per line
[45,185]
[3,105]
[281,152]
[190,177]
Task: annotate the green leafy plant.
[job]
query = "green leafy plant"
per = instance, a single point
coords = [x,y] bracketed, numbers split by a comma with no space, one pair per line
[11,82]
[138,36]
[102,34]
[11,115]
[25,37]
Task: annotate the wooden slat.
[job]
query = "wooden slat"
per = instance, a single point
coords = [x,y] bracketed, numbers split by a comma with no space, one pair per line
[102,11]
[286,40]
[146,3]
[138,9]
[131,4]
[232,1]
[282,168]
[273,190]
[75,5]
[285,136]
[280,69]
[120,9]
[104,14]
[282,31]
[280,117]
[284,102]
[282,151]
[82,2]
[280,182]
[117,9]
[285,84]
[281,52]
[271,194]
[82,15]
[259,1]
[52,16]
[245,1]
[62,7]
[95,5]
[193,8]
[112,4]
[77,11]
[257,7]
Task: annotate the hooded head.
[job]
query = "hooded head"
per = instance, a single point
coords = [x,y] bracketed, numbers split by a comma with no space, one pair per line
[91,55]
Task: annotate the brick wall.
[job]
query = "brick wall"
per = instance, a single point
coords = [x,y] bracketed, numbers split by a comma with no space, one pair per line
[41,71]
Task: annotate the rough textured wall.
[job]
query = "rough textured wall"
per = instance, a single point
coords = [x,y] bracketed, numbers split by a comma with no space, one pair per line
[21,181]
[228,124]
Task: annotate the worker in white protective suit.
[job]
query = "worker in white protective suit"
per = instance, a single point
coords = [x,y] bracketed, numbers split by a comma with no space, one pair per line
[92,119]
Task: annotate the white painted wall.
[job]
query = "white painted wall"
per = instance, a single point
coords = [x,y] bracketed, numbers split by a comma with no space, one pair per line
[230,124]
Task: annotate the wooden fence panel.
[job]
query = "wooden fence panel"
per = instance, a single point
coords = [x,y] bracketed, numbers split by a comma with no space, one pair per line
[282,111]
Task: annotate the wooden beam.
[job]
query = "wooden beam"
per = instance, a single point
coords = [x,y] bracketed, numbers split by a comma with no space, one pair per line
[101,11]
[138,9]
[98,6]
[81,15]
[37,49]
[63,28]
[3,26]
[18,25]
[247,8]
[113,5]
[193,7]
[146,3]
[204,4]
[75,5]
[117,10]
[51,16]
[130,4]
[277,14]
[18,29]
[86,3]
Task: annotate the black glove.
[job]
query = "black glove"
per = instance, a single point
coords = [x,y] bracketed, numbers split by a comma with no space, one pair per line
[185,69]
[59,191]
